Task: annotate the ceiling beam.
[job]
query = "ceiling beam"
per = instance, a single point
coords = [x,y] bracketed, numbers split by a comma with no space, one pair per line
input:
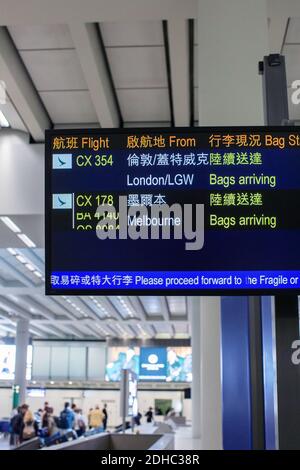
[138,306]
[10,306]
[91,54]
[21,89]
[8,328]
[165,309]
[50,330]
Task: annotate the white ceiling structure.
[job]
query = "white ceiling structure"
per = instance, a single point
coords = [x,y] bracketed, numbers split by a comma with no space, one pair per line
[126,317]
[69,63]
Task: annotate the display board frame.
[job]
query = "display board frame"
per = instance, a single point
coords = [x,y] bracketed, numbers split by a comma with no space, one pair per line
[144,291]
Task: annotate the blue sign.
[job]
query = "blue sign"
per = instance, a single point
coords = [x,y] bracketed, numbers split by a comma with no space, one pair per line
[153,364]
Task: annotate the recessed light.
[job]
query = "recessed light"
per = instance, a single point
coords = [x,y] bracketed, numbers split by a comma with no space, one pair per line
[12,251]
[26,240]
[10,224]
[3,121]
[21,259]
[30,267]
[37,273]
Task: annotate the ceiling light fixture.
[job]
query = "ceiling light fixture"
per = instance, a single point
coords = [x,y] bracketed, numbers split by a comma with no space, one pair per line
[26,240]
[3,121]
[21,259]
[10,224]
[30,267]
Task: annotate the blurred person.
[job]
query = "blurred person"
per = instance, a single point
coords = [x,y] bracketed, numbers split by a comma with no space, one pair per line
[89,418]
[15,426]
[29,426]
[74,408]
[96,418]
[79,423]
[137,418]
[46,405]
[49,426]
[149,415]
[66,418]
[105,416]
[38,416]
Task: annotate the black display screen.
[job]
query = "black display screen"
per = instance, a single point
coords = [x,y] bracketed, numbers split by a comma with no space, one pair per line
[173,210]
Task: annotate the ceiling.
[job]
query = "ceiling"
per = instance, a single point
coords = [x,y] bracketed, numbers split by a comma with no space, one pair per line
[51,63]
[88,317]
[130,63]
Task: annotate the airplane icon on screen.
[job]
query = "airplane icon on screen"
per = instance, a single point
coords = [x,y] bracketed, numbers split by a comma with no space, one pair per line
[62,201]
[62,161]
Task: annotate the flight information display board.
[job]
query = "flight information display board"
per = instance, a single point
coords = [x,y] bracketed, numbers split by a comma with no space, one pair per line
[173,210]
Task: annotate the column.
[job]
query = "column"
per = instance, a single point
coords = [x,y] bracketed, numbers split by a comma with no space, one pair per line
[232,39]
[194,317]
[22,340]
[288,375]
[210,374]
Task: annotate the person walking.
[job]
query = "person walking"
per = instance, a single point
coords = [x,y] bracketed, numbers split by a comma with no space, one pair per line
[96,418]
[66,418]
[105,416]
[79,424]
[149,415]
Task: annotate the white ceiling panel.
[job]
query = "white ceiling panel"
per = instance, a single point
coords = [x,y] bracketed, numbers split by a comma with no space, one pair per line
[293,32]
[54,70]
[144,104]
[142,33]
[41,36]
[292,58]
[177,305]
[69,107]
[152,304]
[136,67]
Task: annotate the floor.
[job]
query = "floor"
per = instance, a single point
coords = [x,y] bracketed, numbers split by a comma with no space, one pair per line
[184,440]
[4,443]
